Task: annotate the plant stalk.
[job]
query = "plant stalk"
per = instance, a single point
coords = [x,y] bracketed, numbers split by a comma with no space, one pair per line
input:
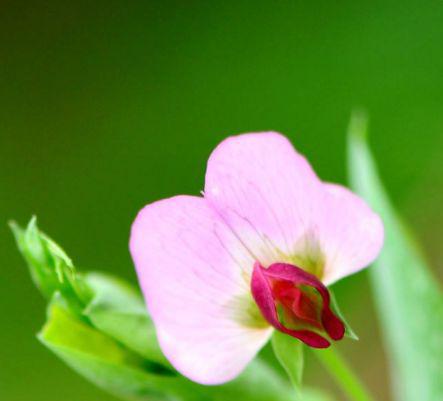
[343,374]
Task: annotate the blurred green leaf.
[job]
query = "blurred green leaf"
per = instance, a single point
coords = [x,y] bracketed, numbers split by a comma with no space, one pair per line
[103,361]
[408,297]
[118,310]
[315,395]
[289,352]
[114,368]
[343,374]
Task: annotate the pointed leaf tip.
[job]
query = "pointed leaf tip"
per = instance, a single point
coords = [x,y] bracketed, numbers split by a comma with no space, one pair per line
[50,267]
[358,124]
[17,231]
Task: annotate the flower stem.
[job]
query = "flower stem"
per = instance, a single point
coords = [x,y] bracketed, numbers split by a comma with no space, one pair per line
[343,374]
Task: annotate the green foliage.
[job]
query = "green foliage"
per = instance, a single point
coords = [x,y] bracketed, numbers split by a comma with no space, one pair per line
[117,309]
[408,297]
[51,269]
[99,358]
[315,395]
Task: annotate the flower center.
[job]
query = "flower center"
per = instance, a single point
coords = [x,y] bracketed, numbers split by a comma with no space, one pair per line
[296,303]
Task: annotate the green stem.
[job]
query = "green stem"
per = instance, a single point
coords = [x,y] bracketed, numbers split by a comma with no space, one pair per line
[343,374]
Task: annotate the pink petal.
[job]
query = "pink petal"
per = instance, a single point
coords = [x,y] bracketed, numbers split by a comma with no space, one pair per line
[195,277]
[276,205]
[265,191]
[351,233]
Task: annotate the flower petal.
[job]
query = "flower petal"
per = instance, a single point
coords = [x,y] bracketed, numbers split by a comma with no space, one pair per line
[265,191]
[276,205]
[351,234]
[195,277]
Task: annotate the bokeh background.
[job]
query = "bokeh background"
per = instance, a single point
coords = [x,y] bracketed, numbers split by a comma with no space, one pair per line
[106,106]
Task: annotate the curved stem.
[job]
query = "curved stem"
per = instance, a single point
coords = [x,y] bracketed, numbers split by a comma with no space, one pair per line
[343,374]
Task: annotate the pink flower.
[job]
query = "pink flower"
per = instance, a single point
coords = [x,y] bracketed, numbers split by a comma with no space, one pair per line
[219,273]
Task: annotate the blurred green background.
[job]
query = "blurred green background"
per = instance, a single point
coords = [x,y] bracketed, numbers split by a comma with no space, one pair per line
[106,106]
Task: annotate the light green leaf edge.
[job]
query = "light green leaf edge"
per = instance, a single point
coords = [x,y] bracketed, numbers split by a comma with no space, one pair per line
[408,297]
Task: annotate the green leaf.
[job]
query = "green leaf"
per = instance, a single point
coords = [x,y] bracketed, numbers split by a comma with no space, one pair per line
[118,310]
[102,360]
[289,352]
[32,249]
[51,269]
[408,296]
[112,367]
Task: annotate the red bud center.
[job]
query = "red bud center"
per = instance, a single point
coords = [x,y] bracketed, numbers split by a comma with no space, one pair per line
[296,303]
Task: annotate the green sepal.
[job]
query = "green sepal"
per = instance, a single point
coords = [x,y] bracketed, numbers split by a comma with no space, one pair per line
[289,353]
[349,332]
